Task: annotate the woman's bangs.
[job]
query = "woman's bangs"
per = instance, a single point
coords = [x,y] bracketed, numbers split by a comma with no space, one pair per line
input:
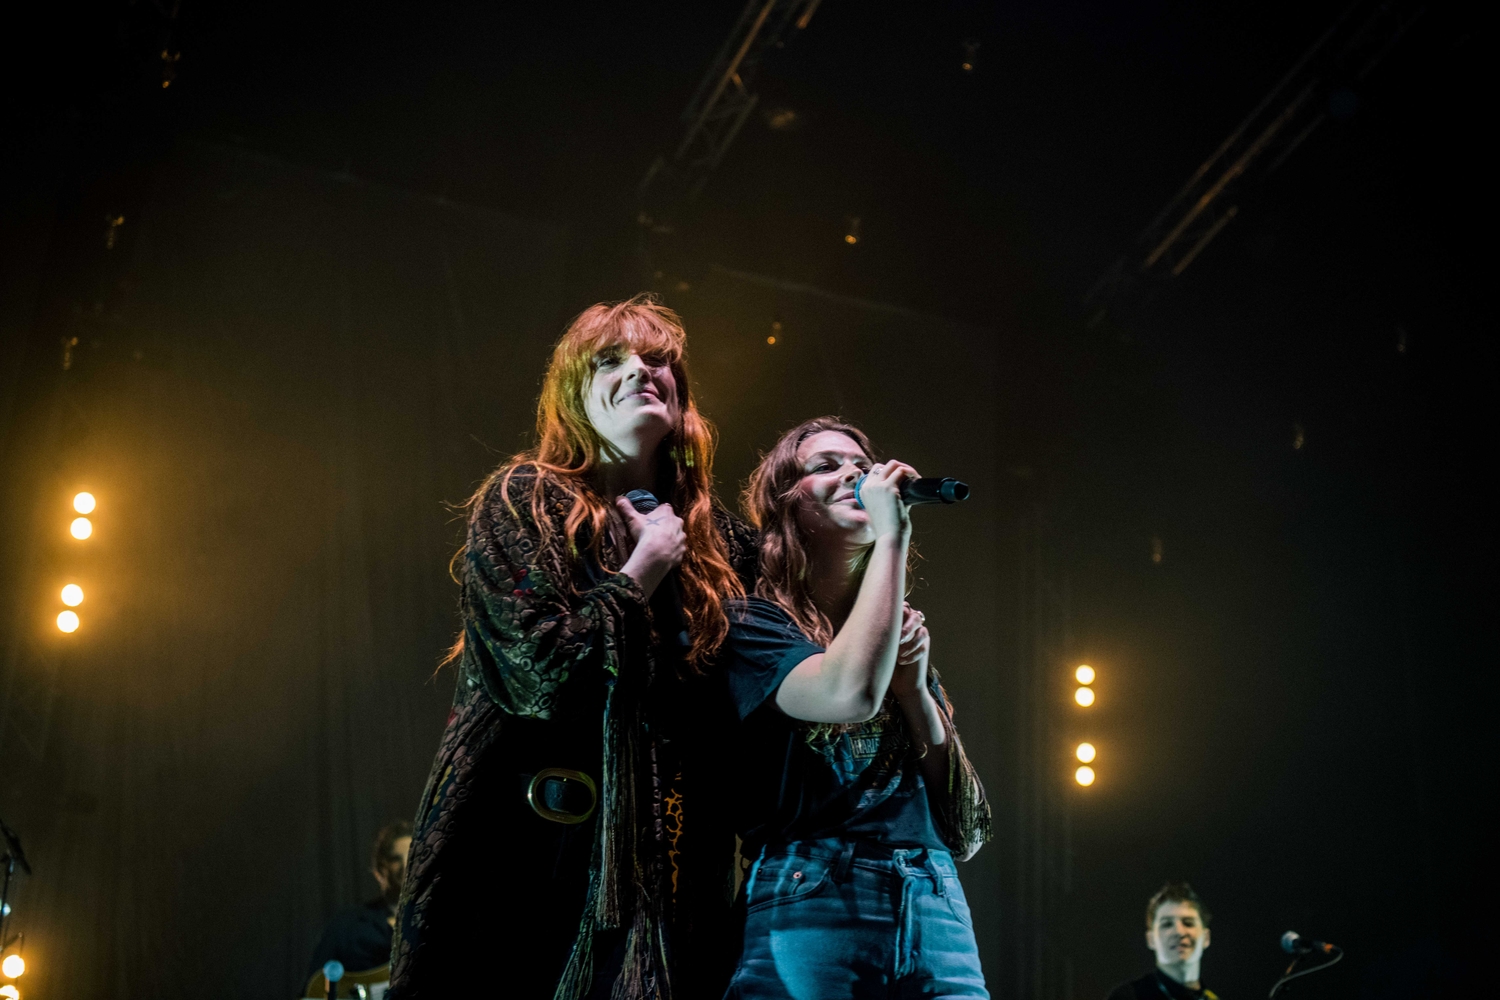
[648,338]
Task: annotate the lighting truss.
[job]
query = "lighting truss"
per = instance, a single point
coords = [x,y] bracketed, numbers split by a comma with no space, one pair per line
[1326,75]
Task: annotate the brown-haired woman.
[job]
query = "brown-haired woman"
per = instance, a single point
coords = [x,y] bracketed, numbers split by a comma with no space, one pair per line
[854,791]
[548,847]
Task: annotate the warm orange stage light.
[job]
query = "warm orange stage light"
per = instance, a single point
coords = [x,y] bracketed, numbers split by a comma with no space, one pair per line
[67,621]
[72,595]
[84,503]
[1084,674]
[81,528]
[1084,776]
[1084,696]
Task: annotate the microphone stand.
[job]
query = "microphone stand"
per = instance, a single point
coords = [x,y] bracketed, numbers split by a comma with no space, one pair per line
[1337,953]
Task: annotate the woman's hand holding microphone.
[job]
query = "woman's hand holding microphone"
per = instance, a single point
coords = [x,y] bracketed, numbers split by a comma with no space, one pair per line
[660,544]
[879,493]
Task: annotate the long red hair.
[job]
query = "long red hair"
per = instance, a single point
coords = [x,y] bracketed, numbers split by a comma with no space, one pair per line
[567,456]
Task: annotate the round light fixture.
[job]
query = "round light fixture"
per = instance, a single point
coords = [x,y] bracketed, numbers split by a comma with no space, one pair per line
[13,966]
[1084,775]
[1084,696]
[72,595]
[84,503]
[81,527]
[67,621]
[1085,674]
[1086,752]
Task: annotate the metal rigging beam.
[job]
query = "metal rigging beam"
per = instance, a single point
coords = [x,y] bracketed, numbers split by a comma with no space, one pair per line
[718,110]
[1321,83]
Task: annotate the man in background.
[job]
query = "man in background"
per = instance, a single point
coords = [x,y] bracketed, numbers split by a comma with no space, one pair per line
[360,936]
[1177,932]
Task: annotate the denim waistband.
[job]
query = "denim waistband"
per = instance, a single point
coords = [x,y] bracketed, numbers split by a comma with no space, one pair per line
[843,855]
[834,847]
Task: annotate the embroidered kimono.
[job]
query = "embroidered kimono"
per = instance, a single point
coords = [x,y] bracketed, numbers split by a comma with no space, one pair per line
[558,671]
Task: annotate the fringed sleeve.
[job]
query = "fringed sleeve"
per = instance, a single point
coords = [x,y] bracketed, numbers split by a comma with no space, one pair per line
[524,637]
[964,812]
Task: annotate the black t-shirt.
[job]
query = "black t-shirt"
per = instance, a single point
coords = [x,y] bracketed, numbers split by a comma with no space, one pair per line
[359,937]
[1154,985]
[793,783]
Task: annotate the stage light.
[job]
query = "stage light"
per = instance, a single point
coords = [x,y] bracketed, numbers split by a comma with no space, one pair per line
[67,621]
[771,339]
[81,527]
[1084,775]
[84,503]
[1086,752]
[13,966]
[851,230]
[1085,674]
[72,595]
[10,992]
[1084,696]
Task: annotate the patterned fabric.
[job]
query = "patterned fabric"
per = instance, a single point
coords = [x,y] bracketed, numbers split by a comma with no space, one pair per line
[557,670]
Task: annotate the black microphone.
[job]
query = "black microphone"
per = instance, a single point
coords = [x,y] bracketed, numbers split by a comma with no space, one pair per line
[667,601]
[920,491]
[1295,944]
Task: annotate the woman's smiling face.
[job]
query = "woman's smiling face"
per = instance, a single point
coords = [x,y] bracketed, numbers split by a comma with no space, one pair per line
[831,463]
[631,400]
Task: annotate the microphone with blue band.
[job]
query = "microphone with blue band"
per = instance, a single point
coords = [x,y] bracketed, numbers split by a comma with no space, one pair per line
[922,491]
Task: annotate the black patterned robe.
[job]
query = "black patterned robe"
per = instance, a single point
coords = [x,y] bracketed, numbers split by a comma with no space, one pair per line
[498,899]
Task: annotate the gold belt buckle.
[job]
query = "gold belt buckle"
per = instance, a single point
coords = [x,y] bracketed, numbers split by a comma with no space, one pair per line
[557,815]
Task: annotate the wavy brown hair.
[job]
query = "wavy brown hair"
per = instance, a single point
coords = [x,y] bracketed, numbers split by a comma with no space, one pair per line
[771,501]
[566,457]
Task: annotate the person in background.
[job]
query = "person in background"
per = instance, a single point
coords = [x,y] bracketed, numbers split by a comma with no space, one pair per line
[1177,932]
[360,936]
[853,793]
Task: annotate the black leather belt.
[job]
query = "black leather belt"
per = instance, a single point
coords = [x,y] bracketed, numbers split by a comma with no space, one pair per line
[560,795]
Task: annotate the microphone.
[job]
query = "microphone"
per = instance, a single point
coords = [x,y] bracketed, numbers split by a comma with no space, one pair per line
[667,601]
[1295,944]
[333,971]
[920,491]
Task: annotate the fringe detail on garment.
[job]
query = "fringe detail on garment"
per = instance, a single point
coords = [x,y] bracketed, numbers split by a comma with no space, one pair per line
[578,977]
[968,811]
[626,881]
[644,975]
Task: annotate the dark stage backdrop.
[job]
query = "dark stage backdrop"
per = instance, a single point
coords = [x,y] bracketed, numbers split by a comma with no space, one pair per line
[307,371]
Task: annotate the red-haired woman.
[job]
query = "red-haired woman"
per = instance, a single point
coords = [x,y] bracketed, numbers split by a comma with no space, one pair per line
[854,792]
[549,848]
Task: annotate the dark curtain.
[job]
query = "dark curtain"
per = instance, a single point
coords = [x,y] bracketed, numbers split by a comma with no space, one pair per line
[309,371]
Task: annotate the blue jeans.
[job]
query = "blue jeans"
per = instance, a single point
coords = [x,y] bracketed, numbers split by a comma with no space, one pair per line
[831,920]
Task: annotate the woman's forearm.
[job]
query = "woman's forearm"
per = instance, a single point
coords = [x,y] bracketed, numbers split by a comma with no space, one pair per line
[862,657]
[924,721]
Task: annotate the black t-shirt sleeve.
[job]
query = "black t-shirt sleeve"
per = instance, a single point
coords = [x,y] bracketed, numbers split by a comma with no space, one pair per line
[763,646]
